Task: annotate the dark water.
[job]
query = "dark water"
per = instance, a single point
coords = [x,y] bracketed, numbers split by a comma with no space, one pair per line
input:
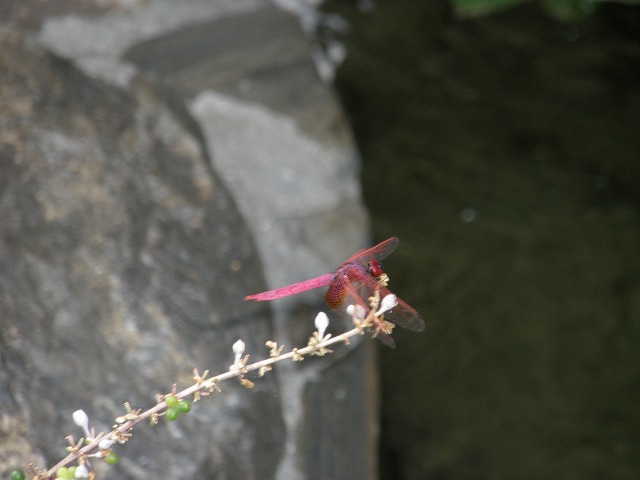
[505,153]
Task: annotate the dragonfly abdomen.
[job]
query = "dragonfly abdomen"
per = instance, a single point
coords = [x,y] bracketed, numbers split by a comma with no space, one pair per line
[320,281]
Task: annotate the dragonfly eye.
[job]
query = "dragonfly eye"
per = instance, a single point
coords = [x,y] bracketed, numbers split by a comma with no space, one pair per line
[375,268]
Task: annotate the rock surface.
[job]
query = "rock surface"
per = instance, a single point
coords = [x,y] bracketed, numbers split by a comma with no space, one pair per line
[148,151]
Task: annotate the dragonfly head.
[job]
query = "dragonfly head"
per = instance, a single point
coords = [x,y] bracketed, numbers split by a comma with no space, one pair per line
[374,267]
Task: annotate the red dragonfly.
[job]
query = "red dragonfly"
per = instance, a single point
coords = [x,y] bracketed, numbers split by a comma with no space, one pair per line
[356,279]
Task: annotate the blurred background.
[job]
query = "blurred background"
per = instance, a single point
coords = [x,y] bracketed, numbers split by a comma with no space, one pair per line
[161,159]
[501,143]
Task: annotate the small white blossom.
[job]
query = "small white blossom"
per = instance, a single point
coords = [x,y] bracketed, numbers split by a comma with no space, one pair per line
[82,471]
[81,419]
[357,312]
[387,303]
[105,444]
[321,322]
[238,349]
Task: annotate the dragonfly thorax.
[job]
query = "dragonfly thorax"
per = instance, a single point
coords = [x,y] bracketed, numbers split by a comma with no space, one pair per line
[345,274]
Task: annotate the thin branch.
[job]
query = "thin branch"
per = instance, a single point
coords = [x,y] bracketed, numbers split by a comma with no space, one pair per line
[100,445]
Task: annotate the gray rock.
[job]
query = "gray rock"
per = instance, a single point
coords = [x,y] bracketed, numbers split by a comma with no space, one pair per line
[140,175]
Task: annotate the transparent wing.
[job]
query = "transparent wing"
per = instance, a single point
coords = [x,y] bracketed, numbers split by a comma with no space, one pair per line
[379,252]
[359,290]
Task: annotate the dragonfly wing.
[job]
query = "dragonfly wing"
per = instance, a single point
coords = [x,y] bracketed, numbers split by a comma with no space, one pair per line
[386,339]
[358,293]
[317,282]
[404,316]
[379,252]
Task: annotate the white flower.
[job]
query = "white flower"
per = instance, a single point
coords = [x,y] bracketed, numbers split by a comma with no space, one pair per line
[387,303]
[105,444]
[357,312]
[81,419]
[321,322]
[82,471]
[238,349]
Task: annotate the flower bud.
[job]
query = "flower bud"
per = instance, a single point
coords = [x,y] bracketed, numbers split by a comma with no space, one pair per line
[387,303]
[105,444]
[82,471]
[81,419]
[321,322]
[357,312]
[238,348]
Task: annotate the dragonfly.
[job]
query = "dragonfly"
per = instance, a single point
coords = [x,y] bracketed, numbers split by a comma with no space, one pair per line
[355,280]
